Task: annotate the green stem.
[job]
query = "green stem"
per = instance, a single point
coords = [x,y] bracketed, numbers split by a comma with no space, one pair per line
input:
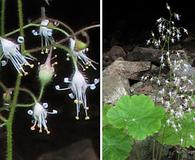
[3,108]
[41,92]
[137,150]
[9,123]
[25,105]
[3,86]
[10,119]
[21,23]
[2,17]
[29,92]
[35,25]
[153,150]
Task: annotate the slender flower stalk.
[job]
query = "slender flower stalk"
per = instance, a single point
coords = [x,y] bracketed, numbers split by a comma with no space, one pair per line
[3,2]
[9,123]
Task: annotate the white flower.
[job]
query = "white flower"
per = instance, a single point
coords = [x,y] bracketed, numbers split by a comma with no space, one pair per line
[172,40]
[161,59]
[39,114]
[148,42]
[78,85]
[158,82]
[185,31]
[152,33]
[167,6]
[45,33]
[159,20]
[181,140]
[10,50]
[177,16]
[178,37]
[81,54]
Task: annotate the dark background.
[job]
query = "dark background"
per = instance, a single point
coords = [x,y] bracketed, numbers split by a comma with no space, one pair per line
[65,130]
[127,22]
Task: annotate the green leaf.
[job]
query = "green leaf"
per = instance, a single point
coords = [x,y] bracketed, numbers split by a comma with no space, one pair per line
[169,136]
[105,110]
[116,144]
[138,115]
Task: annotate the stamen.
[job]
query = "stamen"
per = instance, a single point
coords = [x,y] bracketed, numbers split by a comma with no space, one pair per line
[87,118]
[31,65]
[55,63]
[46,50]
[25,73]
[77,117]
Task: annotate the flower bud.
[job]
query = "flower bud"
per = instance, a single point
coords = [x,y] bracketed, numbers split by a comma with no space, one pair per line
[46,71]
[79,45]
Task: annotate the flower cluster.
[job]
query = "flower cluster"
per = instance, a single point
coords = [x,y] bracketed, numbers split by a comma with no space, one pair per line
[167,31]
[175,89]
[78,83]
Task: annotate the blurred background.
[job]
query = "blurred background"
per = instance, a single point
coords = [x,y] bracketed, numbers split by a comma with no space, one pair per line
[69,138]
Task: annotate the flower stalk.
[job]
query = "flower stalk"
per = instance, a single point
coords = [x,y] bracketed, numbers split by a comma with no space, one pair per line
[9,124]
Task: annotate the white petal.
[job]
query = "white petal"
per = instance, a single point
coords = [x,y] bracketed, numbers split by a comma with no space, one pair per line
[30,112]
[71,95]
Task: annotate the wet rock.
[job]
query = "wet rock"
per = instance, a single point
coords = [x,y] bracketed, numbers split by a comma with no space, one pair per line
[115,78]
[82,150]
[144,54]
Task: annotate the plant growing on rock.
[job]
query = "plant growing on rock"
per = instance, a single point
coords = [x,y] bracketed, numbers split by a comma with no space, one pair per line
[175,88]
[23,60]
[166,117]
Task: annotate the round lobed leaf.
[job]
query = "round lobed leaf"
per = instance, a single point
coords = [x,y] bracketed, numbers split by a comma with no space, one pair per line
[136,114]
[116,144]
[105,110]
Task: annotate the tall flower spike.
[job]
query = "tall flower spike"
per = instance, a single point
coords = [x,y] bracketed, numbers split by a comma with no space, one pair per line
[81,54]
[45,33]
[10,50]
[78,85]
[39,114]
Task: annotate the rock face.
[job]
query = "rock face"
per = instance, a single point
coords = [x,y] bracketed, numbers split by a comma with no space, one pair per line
[116,78]
[114,53]
[82,150]
[144,54]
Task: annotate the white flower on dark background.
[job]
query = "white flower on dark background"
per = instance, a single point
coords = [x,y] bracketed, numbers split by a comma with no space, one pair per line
[10,51]
[78,85]
[45,33]
[81,54]
[39,114]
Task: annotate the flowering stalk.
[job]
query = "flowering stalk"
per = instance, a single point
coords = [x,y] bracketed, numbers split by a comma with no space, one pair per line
[3,16]
[176,90]
[9,123]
